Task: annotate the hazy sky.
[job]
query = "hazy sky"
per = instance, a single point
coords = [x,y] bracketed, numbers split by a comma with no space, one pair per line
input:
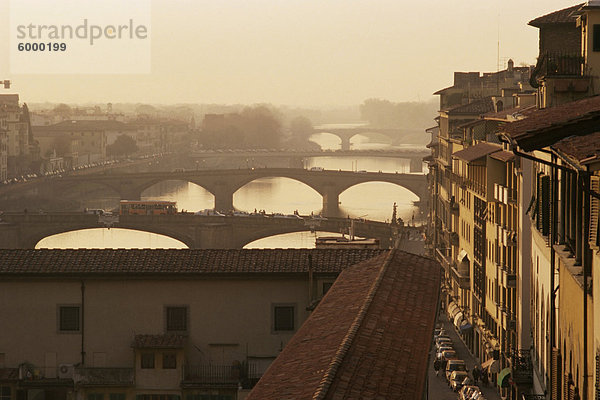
[303,52]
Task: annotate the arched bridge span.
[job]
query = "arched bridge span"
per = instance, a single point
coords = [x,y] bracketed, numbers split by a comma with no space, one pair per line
[25,230]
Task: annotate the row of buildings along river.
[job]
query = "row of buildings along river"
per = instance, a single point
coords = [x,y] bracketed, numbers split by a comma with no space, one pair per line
[514,209]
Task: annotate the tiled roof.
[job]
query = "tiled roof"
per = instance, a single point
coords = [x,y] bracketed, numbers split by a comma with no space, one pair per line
[169,262]
[167,341]
[368,338]
[480,150]
[533,131]
[564,16]
[503,155]
[580,149]
[481,106]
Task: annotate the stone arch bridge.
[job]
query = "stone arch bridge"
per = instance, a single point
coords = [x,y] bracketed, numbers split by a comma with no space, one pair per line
[25,230]
[345,134]
[224,183]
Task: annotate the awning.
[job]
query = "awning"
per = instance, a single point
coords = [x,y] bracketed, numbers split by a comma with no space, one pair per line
[453,310]
[503,377]
[465,326]
[461,256]
[491,365]
[457,319]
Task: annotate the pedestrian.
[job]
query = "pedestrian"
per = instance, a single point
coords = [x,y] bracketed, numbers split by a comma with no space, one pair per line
[476,374]
[484,378]
[436,366]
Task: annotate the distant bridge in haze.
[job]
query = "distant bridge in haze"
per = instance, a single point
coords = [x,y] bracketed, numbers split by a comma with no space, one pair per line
[25,230]
[346,133]
[296,157]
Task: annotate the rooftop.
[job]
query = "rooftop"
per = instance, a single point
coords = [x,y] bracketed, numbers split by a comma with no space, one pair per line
[480,150]
[175,262]
[368,338]
[564,16]
[481,106]
[83,125]
[544,127]
[580,149]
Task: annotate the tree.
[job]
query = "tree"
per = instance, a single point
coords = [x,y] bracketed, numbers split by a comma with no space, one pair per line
[63,110]
[123,145]
[301,128]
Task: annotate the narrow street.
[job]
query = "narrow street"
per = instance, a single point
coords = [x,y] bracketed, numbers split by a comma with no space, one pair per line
[438,388]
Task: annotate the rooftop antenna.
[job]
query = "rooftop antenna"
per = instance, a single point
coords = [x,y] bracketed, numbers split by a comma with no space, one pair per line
[498,58]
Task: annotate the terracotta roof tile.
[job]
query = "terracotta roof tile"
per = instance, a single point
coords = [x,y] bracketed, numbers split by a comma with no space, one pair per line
[480,150]
[167,341]
[564,16]
[580,149]
[368,338]
[531,132]
[51,262]
[481,106]
[503,155]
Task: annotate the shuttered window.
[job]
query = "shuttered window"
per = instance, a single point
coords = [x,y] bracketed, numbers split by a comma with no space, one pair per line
[594,211]
[556,373]
[545,206]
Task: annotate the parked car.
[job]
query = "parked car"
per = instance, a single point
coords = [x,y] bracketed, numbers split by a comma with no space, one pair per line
[449,355]
[457,378]
[442,349]
[466,392]
[441,340]
[454,365]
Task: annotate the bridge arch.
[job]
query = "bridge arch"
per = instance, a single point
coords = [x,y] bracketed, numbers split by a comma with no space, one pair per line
[409,188]
[307,194]
[33,240]
[286,234]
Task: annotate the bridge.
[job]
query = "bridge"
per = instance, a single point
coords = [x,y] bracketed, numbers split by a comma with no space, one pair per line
[224,183]
[296,157]
[25,230]
[346,133]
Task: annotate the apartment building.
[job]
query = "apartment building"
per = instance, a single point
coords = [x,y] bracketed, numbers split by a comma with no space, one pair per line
[156,324]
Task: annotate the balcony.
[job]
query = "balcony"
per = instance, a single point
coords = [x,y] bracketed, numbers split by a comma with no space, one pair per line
[103,376]
[522,367]
[215,375]
[463,280]
[556,64]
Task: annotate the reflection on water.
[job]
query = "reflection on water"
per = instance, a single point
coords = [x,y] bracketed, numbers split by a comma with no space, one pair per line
[372,200]
[100,238]
[278,195]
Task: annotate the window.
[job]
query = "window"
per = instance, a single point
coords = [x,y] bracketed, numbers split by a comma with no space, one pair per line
[596,38]
[68,318]
[176,319]
[117,396]
[169,361]
[95,396]
[5,393]
[147,360]
[326,287]
[283,317]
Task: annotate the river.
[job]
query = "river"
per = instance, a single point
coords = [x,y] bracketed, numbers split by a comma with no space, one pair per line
[372,200]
